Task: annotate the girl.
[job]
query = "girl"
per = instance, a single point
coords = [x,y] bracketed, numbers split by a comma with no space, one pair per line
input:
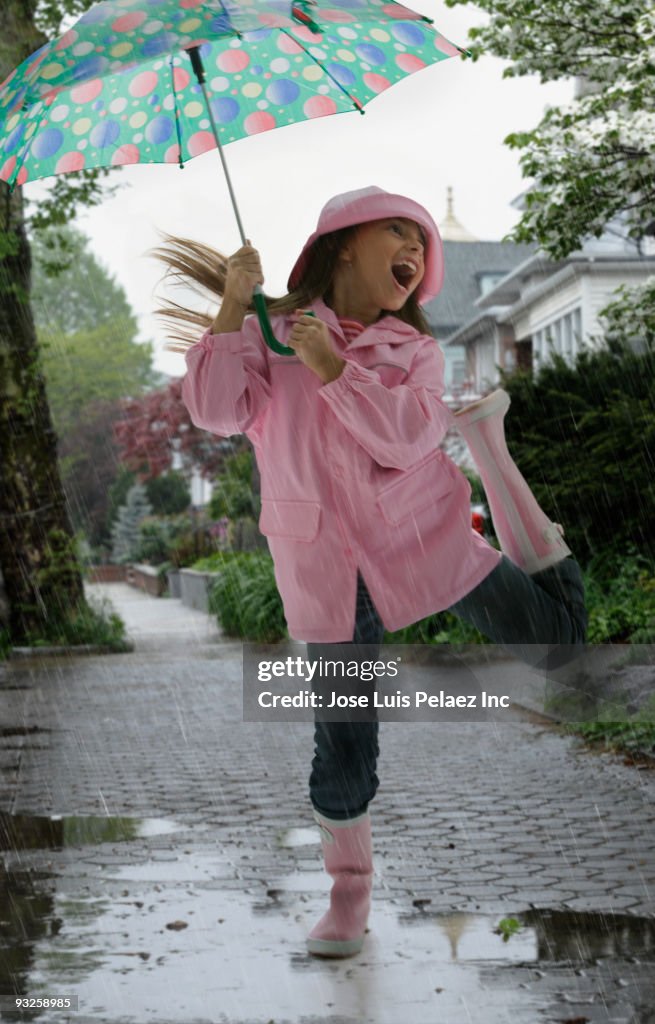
[368,521]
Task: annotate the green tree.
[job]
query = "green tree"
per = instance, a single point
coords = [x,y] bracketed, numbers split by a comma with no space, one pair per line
[168,494]
[91,361]
[71,290]
[594,159]
[86,328]
[93,365]
[33,506]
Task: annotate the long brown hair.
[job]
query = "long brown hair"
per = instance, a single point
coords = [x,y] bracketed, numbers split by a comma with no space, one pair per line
[202,269]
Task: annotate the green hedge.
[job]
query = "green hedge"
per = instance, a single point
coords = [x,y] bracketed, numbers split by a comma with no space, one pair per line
[584,437]
[620,594]
[620,598]
[245,598]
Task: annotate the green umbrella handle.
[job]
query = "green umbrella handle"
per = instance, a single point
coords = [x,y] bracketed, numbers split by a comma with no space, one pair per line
[265,324]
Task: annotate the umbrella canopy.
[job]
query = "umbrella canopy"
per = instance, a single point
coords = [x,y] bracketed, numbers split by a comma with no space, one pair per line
[118,87]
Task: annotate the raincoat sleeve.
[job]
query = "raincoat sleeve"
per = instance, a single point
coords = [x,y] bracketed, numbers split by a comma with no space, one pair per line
[396,426]
[227,384]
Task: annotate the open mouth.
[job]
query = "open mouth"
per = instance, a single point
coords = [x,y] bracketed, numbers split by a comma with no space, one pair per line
[404,273]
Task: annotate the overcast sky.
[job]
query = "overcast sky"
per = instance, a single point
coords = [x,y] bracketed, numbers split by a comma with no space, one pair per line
[443,126]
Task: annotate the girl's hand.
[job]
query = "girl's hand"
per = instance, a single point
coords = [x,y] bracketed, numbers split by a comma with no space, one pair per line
[244,271]
[310,340]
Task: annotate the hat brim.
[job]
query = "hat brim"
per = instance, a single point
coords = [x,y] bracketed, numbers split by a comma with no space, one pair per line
[378,206]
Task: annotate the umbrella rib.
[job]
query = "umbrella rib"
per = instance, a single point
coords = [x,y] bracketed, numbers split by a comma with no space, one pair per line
[356,103]
[178,130]
[20,162]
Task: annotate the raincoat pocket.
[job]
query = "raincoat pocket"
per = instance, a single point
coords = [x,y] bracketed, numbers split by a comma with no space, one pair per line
[424,485]
[297,520]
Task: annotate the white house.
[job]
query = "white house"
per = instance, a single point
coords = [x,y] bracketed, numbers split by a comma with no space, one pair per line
[473,268]
[544,305]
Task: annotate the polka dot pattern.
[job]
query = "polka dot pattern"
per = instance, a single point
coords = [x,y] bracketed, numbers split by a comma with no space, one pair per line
[118,87]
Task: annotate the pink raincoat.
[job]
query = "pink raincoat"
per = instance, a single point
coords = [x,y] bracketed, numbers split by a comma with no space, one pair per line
[351,473]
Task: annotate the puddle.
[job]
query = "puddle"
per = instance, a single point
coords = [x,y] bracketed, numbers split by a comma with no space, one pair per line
[545,936]
[193,867]
[298,837]
[223,962]
[191,947]
[564,935]
[34,832]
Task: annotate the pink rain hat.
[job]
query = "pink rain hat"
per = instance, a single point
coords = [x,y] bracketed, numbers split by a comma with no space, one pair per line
[373,203]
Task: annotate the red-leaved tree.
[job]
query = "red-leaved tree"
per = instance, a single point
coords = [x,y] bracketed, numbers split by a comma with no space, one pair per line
[155,425]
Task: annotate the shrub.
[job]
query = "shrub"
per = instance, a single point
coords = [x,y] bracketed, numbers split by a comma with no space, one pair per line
[161,538]
[190,542]
[168,494]
[210,563]
[441,628]
[620,596]
[233,495]
[632,733]
[245,598]
[93,622]
[243,535]
[154,541]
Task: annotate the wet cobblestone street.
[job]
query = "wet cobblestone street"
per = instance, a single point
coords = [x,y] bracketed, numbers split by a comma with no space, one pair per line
[473,822]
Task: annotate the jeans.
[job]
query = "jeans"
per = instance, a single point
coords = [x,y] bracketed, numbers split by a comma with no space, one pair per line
[513,609]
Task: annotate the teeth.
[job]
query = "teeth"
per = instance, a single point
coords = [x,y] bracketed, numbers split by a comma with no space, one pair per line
[408,263]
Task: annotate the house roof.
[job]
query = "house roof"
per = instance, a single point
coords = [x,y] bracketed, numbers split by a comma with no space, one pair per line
[566,271]
[465,264]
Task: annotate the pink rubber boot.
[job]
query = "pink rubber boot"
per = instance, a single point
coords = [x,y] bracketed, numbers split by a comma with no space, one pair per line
[349,861]
[525,533]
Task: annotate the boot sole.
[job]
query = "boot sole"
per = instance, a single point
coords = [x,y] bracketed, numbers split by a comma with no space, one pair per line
[334,948]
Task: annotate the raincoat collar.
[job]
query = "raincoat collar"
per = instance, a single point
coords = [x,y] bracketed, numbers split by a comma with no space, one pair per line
[389,329]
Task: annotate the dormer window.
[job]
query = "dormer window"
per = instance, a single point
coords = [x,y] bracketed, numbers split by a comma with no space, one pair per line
[487,281]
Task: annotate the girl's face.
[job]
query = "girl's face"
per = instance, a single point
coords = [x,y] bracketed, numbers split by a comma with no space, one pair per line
[384,261]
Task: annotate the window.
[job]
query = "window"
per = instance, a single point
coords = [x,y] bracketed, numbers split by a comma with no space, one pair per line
[567,337]
[577,330]
[563,336]
[488,281]
[459,371]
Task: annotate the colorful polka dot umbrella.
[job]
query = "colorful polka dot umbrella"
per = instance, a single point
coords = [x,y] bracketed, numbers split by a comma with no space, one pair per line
[163,81]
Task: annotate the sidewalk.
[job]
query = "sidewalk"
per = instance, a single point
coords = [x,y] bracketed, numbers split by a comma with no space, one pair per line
[184,872]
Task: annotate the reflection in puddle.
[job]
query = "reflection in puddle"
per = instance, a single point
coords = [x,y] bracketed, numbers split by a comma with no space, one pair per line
[546,936]
[34,832]
[564,935]
[473,937]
